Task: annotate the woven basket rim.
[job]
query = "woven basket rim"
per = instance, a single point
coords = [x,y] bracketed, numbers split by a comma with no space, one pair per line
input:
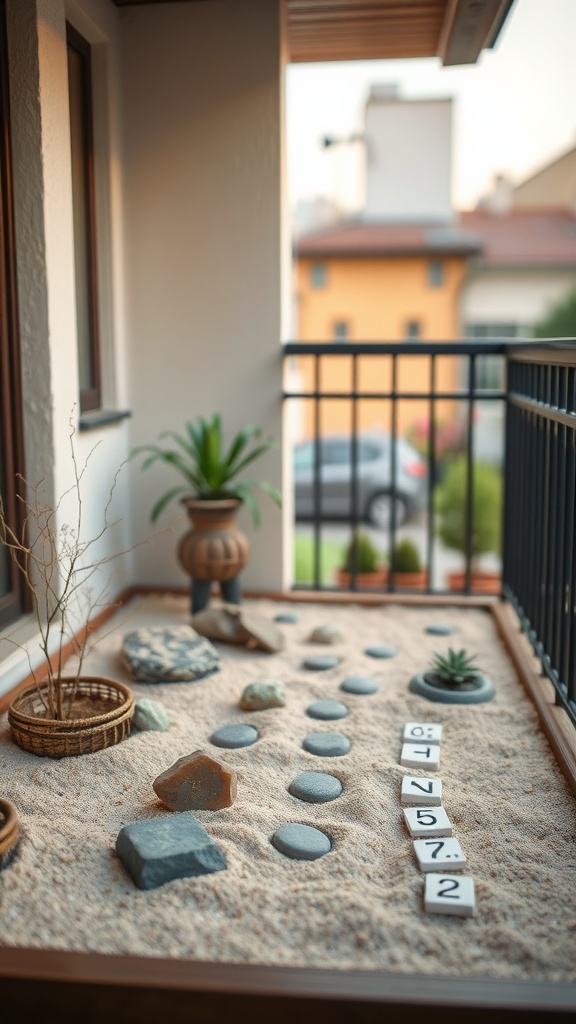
[117,713]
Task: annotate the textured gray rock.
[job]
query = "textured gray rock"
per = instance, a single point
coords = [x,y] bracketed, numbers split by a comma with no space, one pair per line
[320,662]
[327,709]
[150,716]
[265,693]
[174,654]
[232,736]
[381,651]
[301,842]
[326,634]
[359,685]
[315,787]
[327,744]
[163,849]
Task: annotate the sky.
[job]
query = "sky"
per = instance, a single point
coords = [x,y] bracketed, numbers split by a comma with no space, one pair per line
[514,110]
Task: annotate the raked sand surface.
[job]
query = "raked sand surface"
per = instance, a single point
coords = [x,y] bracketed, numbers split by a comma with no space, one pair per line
[361,905]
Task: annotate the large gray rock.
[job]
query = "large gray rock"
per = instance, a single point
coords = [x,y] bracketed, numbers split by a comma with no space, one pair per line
[172,654]
[163,849]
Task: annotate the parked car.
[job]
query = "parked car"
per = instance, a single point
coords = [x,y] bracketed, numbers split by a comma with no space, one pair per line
[374,478]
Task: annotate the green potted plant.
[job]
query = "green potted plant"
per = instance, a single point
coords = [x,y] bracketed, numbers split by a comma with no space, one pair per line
[407,566]
[212,491]
[451,503]
[361,556]
[453,679]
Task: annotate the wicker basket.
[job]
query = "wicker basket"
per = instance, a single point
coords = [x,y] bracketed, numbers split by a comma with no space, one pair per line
[48,737]
[9,832]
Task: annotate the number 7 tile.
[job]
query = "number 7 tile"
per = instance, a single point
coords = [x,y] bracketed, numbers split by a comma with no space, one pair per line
[435,854]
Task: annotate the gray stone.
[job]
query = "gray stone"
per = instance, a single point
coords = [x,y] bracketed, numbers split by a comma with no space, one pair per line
[326,634]
[327,744]
[315,787]
[320,662]
[265,693]
[168,655]
[163,849]
[301,842]
[327,709]
[440,630]
[381,651]
[232,736]
[150,716]
[360,685]
[289,617]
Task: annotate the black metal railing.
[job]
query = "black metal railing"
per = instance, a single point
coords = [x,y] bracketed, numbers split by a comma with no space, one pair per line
[539,551]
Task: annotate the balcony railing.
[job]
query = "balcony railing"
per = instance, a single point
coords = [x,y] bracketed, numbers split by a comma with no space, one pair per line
[531,392]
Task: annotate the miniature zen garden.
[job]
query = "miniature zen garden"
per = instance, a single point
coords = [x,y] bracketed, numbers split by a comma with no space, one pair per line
[291,784]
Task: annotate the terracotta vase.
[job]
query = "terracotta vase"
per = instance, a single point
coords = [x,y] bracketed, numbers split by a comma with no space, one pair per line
[481,581]
[411,580]
[364,580]
[214,549]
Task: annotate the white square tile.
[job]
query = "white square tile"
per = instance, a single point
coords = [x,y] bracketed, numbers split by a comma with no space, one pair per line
[424,822]
[449,894]
[422,732]
[420,792]
[439,854]
[420,755]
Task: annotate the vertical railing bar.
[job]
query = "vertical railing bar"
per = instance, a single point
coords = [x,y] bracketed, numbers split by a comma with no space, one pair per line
[470,473]
[431,474]
[567,538]
[394,418]
[545,427]
[317,470]
[570,678]
[508,547]
[354,480]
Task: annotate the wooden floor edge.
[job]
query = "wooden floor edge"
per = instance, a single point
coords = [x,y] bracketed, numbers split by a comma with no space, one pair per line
[554,721]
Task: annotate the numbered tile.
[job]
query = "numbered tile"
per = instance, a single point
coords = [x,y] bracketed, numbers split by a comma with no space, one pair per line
[422,732]
[420,792]
[449,894]
[435,854]
[424,822]
[420,755]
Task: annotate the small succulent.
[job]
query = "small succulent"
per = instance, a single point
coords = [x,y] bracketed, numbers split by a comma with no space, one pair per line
[456,667]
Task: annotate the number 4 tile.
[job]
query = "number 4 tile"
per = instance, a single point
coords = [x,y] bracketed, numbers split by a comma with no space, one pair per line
[424,822]
[436,854]
[422,732]
[449,894]
[420,755]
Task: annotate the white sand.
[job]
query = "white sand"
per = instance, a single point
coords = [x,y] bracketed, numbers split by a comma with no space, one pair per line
[360,906]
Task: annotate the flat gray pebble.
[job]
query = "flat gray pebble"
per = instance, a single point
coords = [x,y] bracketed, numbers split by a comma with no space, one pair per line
[440,630]
[360,685]
[315,787]
[301,842]
[320,662]
[327,744]
[287,617]
[381,651]
[327,709]
[232,736]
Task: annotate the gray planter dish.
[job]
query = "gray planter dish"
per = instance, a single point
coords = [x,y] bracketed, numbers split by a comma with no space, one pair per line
[482,691]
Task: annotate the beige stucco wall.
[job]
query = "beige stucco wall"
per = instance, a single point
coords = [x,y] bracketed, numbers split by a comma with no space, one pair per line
[517,296]
[202,92]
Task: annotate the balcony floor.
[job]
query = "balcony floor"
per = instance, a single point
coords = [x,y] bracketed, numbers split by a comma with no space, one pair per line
[360,907]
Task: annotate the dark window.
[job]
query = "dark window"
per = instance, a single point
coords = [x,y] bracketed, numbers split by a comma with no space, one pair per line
[12,594]
[435,273]
[318,275]
[82,155]
[341,332]
[413,332]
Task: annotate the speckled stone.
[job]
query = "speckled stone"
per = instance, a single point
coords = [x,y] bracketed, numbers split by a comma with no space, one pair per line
[150,716]
[327,744]
[381,651]
[174,654]
[197,782]
[440,630]
[327,709]
[232,736]
[301,842]
[289,617]
[162,849]
[360,685]
[326,634]
[315,787]
[265,693]
[320,662]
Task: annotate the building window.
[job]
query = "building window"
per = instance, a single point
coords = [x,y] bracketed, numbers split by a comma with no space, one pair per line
[413,331]
[318,275]
[341,331]
[82,156]
[435,273]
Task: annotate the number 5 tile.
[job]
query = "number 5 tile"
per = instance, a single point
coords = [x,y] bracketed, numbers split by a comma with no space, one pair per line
[449,894]
[424,822]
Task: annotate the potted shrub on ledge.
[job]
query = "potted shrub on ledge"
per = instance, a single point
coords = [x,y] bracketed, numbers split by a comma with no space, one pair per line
[453,679]
[361,555]
[486,520]
[214,549]
[408,571]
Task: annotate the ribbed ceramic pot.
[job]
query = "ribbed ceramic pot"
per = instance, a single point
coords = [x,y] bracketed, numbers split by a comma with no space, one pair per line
[214,549]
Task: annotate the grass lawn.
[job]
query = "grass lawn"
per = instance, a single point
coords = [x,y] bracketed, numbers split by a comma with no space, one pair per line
[331,555]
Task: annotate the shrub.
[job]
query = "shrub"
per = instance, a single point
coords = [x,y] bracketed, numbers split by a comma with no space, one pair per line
[486,507]
[406,557]
[361,555]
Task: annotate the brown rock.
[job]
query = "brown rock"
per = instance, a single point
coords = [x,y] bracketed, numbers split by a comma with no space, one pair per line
[196,782]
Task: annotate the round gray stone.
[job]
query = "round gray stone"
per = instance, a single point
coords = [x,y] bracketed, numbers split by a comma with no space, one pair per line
[315,787]
[327,709]
[381,651]
[290,617]
[360,685]
[301,842]
[150,716]
[440,630]
[327,744]
[232,736]
[320,662]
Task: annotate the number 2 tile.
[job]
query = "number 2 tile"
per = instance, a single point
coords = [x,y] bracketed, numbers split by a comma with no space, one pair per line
[420,755]
[418,792]
[424,822]
[435,854]
[449,894]
[422,732]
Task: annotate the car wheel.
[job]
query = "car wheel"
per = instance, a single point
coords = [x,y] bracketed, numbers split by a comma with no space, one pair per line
[379,510]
